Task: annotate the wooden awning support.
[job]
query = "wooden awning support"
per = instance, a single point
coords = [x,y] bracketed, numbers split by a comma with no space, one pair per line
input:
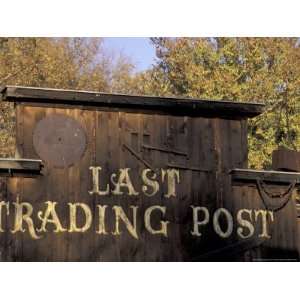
[12,167]
[248,176]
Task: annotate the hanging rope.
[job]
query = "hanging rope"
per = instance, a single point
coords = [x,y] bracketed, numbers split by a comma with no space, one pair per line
[274,201]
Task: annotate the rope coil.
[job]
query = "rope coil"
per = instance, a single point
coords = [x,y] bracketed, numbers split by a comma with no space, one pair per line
[274,201]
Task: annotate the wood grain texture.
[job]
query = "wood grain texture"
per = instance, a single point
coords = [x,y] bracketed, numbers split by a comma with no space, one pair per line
[178,106]
[244,176]
[208,148]
[20,167]
[286,160]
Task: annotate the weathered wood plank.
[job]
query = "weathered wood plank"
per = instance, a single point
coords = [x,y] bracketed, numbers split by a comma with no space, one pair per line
[277,177]
[203,149]
[286,160]
[177,106]
[20,167]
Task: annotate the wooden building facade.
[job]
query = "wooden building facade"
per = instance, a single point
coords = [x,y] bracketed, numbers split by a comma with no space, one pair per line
[107,177]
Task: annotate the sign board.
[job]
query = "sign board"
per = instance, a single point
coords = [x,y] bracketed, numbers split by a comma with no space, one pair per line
[127,178]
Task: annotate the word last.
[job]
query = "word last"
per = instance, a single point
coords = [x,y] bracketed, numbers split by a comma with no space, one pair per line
[121,184]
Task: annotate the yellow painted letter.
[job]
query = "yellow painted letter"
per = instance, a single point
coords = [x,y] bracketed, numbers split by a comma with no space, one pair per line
[50,216]
[101,228]
[123,181]
[173,176]
[216,223]
[119,212]
[196,221]
[73,221]
[149,183]
[147,217]
[95,176]
[21,216]
[245,223]
[264,215]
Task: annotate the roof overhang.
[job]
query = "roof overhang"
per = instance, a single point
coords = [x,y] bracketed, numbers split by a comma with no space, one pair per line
[169,105]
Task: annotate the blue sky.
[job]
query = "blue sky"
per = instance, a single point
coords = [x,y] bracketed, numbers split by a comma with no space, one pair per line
[139,49]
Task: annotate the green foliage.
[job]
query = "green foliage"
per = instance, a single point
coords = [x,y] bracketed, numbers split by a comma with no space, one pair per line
[264,70]
[70,63]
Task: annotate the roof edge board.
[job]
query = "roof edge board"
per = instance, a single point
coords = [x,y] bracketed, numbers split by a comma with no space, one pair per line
[87,98]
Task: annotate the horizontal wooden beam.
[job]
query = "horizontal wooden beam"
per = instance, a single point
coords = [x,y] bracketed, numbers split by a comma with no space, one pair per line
[169,105]
[284,159]
[11,167]
[298,210]
[244,176]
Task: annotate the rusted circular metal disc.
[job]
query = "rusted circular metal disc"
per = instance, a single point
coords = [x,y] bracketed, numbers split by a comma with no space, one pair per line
[59,140]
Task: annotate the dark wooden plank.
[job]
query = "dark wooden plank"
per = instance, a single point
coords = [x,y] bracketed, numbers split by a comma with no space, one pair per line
[19,130]
[20,164]
[10,246]
[162,136]
[284,244]
[181,106]
[175,136]
[205,150]
[227,147]
[167,150]
[286,160]
[117,159]
[82,245]
[130,247]
[149,135]
[106,246]
[244,143]
[277,177]
[26,189]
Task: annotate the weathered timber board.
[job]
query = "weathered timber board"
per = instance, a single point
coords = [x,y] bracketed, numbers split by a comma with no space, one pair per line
[245,176]
[178,106]
[206,141]
[106,133]
[20,167]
